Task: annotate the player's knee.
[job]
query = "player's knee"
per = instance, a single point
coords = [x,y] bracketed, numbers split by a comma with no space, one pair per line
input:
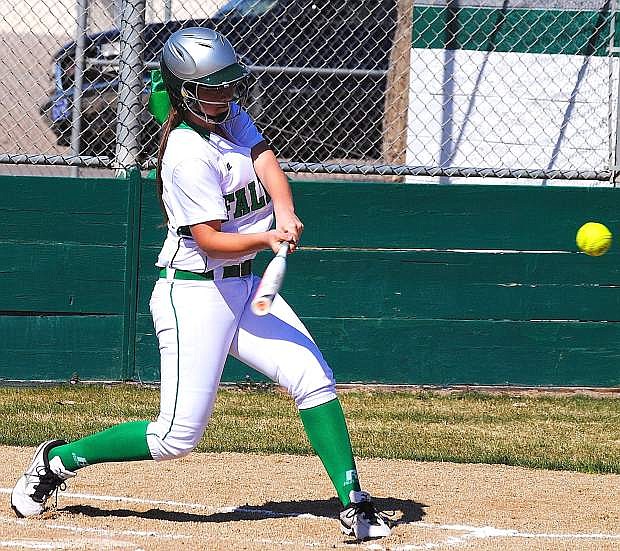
[313,388]
[316,397]
[174,445]
[306,376]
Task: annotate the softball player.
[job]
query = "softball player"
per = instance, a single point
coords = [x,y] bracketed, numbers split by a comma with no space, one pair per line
[220,186]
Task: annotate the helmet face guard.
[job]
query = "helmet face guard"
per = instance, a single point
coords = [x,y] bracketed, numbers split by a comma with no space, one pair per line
[232,92]
[198,59]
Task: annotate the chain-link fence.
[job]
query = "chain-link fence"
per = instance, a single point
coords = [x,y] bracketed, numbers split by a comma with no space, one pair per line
[444,90]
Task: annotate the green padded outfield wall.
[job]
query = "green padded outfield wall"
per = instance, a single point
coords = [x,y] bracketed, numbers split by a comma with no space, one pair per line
[407,284]
[64,283]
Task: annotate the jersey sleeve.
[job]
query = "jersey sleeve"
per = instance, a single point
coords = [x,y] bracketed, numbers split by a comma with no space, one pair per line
[195,194]
[242,129]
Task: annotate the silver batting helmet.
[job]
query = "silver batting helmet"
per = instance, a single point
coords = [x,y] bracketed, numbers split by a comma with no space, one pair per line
[197,57]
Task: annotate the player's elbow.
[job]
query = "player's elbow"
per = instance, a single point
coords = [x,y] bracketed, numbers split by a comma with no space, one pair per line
[207,246]
[211,249]
[207,237]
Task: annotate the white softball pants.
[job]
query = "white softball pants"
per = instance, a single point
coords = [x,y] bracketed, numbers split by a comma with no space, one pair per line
[198,323]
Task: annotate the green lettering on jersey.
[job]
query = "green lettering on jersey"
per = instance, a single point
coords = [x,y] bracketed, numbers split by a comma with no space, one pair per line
[229,198]
[242,203]
[255,202]
[240,200]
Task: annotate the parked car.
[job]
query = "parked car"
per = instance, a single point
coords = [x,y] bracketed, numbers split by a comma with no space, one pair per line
[318,87]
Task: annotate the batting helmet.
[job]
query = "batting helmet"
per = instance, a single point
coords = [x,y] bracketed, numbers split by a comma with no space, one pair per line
[197,57]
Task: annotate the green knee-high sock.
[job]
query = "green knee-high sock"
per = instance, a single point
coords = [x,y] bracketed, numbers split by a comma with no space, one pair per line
[328,434]
[124,442]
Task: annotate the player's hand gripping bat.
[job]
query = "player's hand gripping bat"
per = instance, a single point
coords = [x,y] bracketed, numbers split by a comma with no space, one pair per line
[270,283]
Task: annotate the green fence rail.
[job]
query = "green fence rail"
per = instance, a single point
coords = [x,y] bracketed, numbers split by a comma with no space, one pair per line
[400,284]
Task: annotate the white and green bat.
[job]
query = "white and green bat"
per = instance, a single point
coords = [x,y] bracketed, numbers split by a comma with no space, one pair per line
[270,283]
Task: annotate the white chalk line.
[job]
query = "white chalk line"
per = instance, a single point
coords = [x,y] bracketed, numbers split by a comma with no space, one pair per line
[70,544]
[471,532]
[492,532]
[183,504]
[484,532]
[97,531]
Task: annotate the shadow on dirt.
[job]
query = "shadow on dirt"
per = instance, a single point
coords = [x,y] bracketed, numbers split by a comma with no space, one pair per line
[405,511]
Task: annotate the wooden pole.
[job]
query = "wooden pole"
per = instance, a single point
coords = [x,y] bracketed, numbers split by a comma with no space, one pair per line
[397,88]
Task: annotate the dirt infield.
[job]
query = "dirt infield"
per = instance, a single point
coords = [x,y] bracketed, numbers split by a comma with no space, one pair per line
[236,501]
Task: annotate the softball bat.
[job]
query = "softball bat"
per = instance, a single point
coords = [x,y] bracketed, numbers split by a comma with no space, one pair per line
[271,282]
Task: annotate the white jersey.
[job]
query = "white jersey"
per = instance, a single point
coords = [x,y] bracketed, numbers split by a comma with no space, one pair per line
[207,177]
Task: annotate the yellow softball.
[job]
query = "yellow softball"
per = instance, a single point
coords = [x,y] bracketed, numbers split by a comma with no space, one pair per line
[594,238]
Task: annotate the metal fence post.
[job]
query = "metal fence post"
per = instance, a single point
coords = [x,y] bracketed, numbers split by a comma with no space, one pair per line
[130,85]
[76,109]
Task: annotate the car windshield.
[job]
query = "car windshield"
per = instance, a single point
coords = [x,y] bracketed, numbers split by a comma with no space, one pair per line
[247,7]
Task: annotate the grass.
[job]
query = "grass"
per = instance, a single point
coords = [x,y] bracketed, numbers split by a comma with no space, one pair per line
[567,433]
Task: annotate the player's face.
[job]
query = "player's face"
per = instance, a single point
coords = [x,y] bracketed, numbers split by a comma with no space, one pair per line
[214,101]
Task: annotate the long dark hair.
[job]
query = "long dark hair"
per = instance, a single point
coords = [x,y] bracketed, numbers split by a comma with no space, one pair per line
[174,119]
